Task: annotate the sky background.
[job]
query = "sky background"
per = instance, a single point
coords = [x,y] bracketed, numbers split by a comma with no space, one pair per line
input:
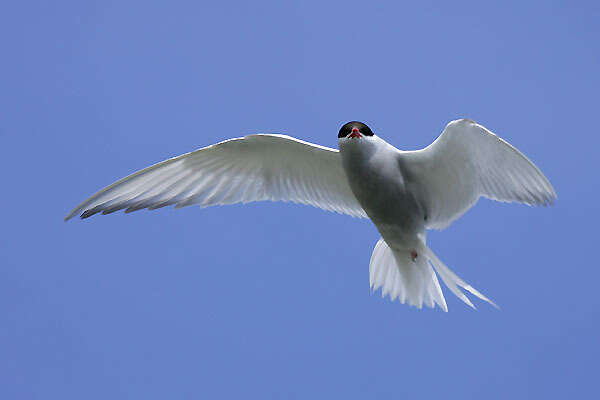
[272,300]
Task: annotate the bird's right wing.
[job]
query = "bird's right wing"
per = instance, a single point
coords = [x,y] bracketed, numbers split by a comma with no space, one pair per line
[247,169]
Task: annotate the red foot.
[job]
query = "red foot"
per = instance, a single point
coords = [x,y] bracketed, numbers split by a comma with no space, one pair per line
[414,255]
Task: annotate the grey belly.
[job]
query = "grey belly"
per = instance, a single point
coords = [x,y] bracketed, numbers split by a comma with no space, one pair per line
[387,201]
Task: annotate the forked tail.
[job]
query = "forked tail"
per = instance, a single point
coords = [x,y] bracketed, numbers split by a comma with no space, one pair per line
[413,280]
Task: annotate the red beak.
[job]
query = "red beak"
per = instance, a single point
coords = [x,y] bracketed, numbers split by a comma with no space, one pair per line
[355,133]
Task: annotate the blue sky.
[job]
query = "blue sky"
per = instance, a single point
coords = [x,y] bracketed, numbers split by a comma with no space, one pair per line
[271,300]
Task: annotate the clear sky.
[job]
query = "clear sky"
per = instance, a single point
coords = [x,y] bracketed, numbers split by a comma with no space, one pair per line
[272,300]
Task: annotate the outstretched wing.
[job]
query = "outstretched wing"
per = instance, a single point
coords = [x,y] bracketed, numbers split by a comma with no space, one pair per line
[251,168]
[468,161]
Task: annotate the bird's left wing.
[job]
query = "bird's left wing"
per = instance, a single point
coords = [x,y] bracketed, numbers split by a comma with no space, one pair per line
[468,161]
[251,168]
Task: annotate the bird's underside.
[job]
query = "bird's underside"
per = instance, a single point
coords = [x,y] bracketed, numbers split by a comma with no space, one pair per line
[424,189]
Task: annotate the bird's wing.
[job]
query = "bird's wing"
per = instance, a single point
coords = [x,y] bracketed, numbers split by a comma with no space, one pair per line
[468,161]
[251,168]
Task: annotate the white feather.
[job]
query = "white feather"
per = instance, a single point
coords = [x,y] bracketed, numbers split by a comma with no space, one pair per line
[415,282]
[400,277]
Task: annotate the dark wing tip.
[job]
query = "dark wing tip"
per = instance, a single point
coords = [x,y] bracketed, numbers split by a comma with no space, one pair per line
[88,213]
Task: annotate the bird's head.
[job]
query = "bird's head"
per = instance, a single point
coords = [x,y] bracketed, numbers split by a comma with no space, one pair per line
[354,130]
[357,138]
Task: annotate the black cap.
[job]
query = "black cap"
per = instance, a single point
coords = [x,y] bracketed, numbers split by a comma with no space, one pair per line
[347,129]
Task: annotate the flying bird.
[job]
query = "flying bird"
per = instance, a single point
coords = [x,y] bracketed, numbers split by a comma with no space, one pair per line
[404,193]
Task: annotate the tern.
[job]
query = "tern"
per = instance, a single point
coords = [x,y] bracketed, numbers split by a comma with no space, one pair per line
[404,193]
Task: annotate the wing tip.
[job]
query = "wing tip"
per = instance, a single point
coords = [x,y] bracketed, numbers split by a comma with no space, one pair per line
[88,213]
[71,214]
